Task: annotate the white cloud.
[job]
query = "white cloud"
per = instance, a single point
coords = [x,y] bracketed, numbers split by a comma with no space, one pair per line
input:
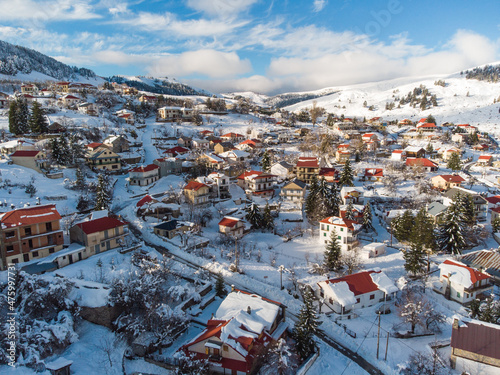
[319,5]
[208,63]
[221,8]
[35,12]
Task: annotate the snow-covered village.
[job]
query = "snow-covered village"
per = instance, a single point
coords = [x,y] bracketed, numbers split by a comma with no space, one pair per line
[150,226]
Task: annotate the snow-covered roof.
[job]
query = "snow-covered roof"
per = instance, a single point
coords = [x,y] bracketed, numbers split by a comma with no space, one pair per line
[461,274]
[340,291]
[383,282]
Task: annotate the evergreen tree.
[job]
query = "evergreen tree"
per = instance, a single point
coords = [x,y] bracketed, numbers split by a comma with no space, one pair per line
[75,149]
[38,121]
[22,116]
[220,288]
[13,125]
[266,162]
[450,236]
[349,214]
[346,177]
[402,226]
[102,199]
[80,179]
[422,232]
[55,149]
[429,149]
[312,194]
[495,225]
[415,261]
[465,205]
[64,152]
[431,119]
[332,203]
[333,252]
[267,218]
[367,216]
[305,327]
[454,162]
[30,188]
[254,216]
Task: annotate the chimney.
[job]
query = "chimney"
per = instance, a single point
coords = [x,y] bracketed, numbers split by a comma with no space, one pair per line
[455,323]
[249,310]
[232,288]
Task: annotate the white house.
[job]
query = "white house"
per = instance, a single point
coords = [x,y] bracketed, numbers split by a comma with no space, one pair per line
[143,176]
[346,231]
[355,194]
[281,169]
[460,282]
[356,291]
[373,249]
[235,155]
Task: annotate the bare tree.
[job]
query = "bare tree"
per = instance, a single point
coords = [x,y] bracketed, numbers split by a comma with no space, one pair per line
[351,260]
[315,112]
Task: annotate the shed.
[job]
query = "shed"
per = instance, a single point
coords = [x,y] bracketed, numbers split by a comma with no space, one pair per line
[60,366]
[374,249]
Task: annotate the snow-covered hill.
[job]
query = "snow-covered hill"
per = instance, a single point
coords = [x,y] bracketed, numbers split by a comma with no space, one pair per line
[165,86]
[461,100]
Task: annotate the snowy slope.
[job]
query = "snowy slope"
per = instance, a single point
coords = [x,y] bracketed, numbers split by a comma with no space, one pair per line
[460,101]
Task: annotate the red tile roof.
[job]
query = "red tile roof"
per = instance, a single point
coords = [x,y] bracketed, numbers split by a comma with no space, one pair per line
[25,154]
[29,216]
[228,222]
[424,162]
[177,150]
[249,173]
[146,199]
[147,168]
[94,145]
[359,283]
[374,172]
[451,178]
[232,135]
[341,222]
[477,337]
[194,185]
[99,225]
[308,163]
[475,276]
[485,157]
[427,125]
[494,199]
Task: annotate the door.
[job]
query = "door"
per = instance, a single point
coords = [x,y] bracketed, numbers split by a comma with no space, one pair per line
[70,257]
[79,256]
[97,249]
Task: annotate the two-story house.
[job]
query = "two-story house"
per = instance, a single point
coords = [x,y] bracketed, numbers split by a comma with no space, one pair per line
[117,143]
[355,194]
[447,181]
[218,184]
[480,202]
[232,137]
[294,191]
[232,226]
[235,156]
[239,333]
[102,158]
[197,193]
[29,233]
[173,114]
[144,175]
[346,231]
[99,235]
[462,283]
[168,166]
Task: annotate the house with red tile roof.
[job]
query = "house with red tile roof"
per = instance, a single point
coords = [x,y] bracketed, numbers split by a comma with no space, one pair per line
[398,155]
[232,226]
[345,230]
[151,99]
[447,181]
[196,192]
[373,174]
[462,283]
[36,160]
[175,151]
[249,145]
[29,233]
[306,168]
[329,174]
[424,163]
[426,127]
[485,160]
[232,137]
[474,347]
[355,291]
[257,183]
[99,235]
[144,175]
[238,334]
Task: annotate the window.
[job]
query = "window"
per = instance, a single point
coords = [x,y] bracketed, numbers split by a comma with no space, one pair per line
[27,231]
[48,227]
[458,294]
[341,229]
[225,348]
[372,296]
[15,260]
[339,237]
[26,257]
[10,234]
[357,300]
[35,254]
[51,250]
[9,248]
[324,234]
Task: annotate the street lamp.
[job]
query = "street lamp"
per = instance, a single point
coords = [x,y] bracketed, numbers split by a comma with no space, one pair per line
[281,269]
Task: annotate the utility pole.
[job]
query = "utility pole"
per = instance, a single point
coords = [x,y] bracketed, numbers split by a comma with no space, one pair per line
[281,268]
[236,252]
[378,334]
[386,346]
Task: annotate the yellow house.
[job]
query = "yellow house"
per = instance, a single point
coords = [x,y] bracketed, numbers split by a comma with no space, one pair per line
[104,159]
[36,160]
[447,181]
[62,86]
[196,192]
[294,191]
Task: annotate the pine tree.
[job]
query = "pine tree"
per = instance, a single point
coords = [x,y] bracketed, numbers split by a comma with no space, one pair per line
[30,188]
[415,261]
[346,177]
[75,149]
[429,149]
[367,216]
[13,125]
[64,152]
[220,288]
[349,214]
[454,162]
[495,225]
[305,327]
[332,203]
[431,119]
[254,216]
[38,122]
[422,233]
[311,202]
[465,205]
[22,116]
[450,236]
[102,199]
[266,162]
[333,252]
[402,226]
[267,218]
[80,179]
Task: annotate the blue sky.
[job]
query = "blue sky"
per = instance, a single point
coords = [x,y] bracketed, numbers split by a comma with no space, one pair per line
[262,46]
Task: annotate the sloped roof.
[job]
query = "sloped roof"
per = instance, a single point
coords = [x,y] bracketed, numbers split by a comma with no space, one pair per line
[487,259]
[307,162]
[340,222]
[229,221]
[461,273]
[364,282]
[25,154]
[29,216]
[424,162]
[477,337]
[194,185]
[451,178]
[99,225]
[143,169]
[374,172]
[146,199]
[299,183]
